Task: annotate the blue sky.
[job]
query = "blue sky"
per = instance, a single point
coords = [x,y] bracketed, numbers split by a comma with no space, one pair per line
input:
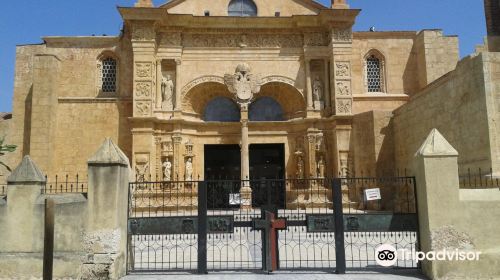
[25,21]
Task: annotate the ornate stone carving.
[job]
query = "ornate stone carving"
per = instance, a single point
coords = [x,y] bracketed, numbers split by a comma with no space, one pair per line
[171,39]
[344,106]
[143,32]
[143,108]
[314,39]
[343,69]
[243,84]
[278,79]
[241,40]
[143,89]
[343,87]
[200,80]
[342,35]
[167,93]
[141,167]
[143,69]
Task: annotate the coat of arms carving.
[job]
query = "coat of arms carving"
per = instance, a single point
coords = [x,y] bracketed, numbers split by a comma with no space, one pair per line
[243,84]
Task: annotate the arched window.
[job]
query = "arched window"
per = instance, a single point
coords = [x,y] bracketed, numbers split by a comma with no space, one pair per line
[107,73]
[242,8]
[374,72]
[221,109]
[265,109]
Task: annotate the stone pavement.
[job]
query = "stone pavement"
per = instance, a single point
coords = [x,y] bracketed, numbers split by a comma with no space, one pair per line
[287,275]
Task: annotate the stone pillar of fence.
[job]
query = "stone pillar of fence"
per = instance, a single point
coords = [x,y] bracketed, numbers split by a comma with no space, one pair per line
[105,240]
[20,226]
[437,180]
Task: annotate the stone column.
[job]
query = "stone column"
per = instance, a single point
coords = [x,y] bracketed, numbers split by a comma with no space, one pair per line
[105,238]
[159,76]
[20,224]
[177,141]
[178,96]
[246,191]
[326,78]
[310,102]
[436,171]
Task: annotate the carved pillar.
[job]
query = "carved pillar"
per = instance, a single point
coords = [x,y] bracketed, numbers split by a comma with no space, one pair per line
[341,71]
[311,153]
[177,103]
[159,76]
[309,85]
[177,140]
[245,191]
[158,164]
[143,46]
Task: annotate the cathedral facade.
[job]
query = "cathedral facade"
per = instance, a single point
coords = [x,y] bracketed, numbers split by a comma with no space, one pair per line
[244,89]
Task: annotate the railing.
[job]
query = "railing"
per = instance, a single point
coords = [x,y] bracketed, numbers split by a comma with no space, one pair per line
[3,190]
[65,185]
[480,179]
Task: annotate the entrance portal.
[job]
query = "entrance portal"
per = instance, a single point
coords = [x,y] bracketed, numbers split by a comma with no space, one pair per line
[222,162]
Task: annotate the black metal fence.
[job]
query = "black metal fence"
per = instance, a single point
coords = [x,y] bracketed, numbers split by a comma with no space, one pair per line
[479,179]
[205,225]
[65,185]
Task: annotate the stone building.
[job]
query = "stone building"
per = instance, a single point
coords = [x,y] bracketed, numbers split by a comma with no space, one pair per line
[248,89]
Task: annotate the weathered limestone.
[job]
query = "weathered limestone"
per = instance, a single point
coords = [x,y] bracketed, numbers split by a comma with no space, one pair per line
[105,240]
[21,221]
[450,221]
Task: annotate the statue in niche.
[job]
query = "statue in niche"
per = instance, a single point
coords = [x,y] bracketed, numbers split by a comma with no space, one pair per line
[167,170]
[317,90]
[167,92]
[321,167]
[189,169]
[300,167]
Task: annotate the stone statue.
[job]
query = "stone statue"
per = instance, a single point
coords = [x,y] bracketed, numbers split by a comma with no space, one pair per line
[317,90]
[189,169]
[321,167]
[167,172]
[300,167]
[167,92]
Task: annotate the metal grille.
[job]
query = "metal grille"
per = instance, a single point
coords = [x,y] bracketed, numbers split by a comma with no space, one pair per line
[65,185]
[373,74]
[109,75]
[166,224]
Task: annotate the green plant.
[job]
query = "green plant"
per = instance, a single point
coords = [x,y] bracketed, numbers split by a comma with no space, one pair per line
[4,148]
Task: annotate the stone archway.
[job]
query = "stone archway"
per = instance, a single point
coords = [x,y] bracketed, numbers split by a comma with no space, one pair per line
[290,98]
[197,97]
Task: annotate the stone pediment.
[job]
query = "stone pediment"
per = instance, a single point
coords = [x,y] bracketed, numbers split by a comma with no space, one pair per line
[265,8]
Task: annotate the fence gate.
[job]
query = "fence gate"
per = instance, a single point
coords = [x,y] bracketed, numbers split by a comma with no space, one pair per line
[293,224]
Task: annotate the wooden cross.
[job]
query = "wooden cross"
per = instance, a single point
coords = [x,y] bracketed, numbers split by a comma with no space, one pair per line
[269,226]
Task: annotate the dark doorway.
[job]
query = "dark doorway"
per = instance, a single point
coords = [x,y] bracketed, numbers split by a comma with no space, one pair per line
[267,171]
[222,162]
[267,161]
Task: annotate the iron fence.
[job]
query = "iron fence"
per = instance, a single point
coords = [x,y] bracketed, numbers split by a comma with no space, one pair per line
[65,185]
[164,232]
[480,179]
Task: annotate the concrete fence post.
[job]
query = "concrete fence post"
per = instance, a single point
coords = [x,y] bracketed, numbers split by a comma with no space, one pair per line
[437,190]
[19,222]
[105,240]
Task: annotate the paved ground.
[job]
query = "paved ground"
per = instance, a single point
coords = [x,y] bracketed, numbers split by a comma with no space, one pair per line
[295,275]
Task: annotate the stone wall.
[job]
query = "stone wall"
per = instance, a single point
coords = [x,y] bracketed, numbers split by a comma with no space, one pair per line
[461,106]
[90,230]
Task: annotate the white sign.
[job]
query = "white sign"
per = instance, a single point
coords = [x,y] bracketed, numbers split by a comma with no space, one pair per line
[234,199]
[372,194]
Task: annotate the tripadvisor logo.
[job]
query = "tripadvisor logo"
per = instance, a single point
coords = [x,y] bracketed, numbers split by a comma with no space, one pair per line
[386,255]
